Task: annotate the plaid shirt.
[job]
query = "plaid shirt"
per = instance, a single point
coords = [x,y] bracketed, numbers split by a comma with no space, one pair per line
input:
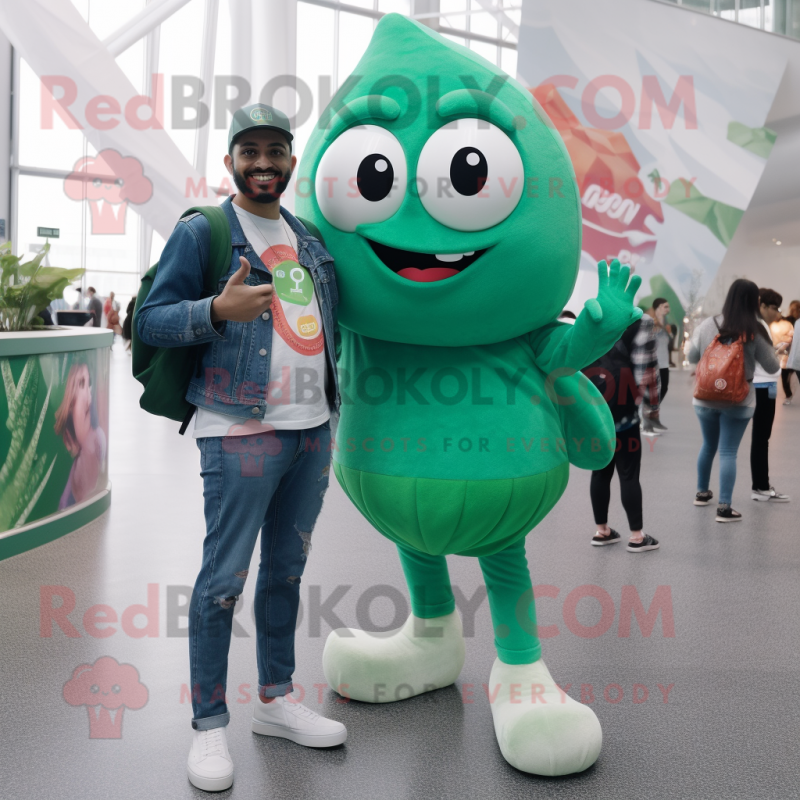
[646,376]
[645,363]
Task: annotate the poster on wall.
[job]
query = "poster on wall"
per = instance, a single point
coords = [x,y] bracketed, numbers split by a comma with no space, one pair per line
[54,443]
[663,112]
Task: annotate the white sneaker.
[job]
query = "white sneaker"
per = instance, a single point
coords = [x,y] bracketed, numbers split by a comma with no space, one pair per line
[769,495]
[210,765]
[290,719]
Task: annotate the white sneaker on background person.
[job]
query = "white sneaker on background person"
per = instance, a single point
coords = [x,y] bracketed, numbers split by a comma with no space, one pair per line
[769,495]
[290,719]
[210,766]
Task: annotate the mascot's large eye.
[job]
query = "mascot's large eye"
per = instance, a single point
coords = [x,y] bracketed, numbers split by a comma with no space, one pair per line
[361,177]
[470,175]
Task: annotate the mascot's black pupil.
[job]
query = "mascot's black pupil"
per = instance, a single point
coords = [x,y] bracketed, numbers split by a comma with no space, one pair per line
[468,171]
[375,177]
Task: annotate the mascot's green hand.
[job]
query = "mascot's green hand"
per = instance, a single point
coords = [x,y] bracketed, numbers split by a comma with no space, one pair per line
[613,308]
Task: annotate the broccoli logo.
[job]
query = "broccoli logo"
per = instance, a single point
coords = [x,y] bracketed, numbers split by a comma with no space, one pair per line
[116,182]
[106,688]
[252,441]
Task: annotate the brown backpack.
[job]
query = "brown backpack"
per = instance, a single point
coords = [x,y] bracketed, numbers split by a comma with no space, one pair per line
[720,374]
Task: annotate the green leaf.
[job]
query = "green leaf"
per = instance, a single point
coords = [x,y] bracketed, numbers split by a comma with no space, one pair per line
[26,289]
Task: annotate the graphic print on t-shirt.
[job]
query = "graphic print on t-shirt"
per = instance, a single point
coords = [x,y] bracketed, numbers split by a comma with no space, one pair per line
[295,317]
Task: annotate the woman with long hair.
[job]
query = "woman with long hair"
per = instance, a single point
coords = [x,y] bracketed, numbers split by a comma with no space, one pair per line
[723,424]
[85,442]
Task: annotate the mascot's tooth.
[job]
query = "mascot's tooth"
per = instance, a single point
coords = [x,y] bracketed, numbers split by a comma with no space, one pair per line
[449,257]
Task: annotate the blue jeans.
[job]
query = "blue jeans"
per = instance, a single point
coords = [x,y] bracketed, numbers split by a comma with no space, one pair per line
[276,486]
[723,429]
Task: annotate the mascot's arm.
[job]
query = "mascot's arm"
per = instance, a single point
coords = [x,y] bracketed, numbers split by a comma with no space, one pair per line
[561,349]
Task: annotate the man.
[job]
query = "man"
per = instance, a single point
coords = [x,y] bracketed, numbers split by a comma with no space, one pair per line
[94,306]
[632,357]
[265,389]
[651,423]
[766,392]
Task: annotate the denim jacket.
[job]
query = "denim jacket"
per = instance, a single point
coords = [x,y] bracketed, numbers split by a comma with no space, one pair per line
[232,372]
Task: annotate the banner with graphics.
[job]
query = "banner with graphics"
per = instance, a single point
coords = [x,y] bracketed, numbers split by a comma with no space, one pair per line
[54,440]
[663,113]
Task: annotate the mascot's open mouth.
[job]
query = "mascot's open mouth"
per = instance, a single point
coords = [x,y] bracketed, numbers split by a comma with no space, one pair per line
[424,267]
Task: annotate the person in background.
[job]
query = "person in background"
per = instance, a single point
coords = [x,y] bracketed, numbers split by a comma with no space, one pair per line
[651,424]
[793,359]
[94,306]
[78,304]
[111,311]
[633,355]
[782,332]
[127,324]
[722,424]
[766,384]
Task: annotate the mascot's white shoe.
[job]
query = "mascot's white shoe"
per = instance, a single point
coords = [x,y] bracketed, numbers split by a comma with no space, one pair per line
[423,655]
[539,728]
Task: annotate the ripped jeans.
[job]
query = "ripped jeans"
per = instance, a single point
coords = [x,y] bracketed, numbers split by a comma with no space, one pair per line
[276,486]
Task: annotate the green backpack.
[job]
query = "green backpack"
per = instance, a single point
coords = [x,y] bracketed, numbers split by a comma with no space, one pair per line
[165,372]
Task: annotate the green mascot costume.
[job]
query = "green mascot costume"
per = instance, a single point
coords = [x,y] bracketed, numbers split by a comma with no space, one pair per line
[450,205]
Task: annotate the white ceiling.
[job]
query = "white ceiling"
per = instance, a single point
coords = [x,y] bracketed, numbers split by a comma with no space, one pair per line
[774,211]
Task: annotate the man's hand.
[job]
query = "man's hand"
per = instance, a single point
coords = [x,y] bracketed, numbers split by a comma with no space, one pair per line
[613,308]
[238,301]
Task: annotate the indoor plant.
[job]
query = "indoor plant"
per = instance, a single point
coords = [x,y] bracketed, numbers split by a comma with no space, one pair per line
[28,288]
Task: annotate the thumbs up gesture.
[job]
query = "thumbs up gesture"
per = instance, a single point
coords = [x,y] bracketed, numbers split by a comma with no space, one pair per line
[238,301]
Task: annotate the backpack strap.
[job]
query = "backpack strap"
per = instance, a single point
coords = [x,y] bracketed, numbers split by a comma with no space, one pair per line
[219,257]
[219,261]
[312,229]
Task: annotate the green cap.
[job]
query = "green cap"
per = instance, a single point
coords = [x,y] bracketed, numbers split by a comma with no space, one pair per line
[255,116]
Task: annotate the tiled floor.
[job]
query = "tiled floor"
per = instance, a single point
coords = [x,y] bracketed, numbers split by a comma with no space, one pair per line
[729,727]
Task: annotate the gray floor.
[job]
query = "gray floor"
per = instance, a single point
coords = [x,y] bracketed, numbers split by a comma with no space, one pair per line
[729,728]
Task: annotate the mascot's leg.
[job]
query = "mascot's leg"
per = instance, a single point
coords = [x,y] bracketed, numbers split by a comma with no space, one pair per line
[426,653]
[539,728]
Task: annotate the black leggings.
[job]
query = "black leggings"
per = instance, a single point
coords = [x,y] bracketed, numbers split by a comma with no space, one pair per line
[627,459]
[759,445]
[786,379]
[664,383]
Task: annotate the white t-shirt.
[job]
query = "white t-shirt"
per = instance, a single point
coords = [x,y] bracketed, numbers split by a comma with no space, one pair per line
[296,394]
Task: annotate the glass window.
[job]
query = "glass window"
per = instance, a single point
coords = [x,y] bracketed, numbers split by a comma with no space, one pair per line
[315,65]
[750,13]
[399,6]
[457,39]
[488,51]
[784,17]
[45,139]
[44,203]
[508,61]
[179,55]
[458,21]
[724,8]
[215,171]
[354,34]
[699,5]
[107,18]
[482,21]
